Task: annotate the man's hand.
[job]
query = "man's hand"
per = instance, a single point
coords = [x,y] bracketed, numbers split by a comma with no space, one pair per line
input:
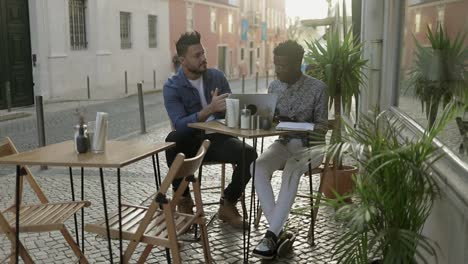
[280,118]
[218,104]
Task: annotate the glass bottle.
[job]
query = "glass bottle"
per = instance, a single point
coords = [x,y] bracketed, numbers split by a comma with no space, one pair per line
[81,139]
[245,118]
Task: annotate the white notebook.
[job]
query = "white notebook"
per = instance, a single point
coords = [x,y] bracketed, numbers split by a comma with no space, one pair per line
[298,126]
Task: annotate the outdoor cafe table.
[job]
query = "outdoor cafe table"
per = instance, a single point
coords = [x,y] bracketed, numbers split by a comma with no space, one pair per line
[118,154]
[253,134]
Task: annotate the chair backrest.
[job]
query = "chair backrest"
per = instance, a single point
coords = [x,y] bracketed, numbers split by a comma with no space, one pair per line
[182,167]
[8,148]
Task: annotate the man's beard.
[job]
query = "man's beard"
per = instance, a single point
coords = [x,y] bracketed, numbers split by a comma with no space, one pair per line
[198,71]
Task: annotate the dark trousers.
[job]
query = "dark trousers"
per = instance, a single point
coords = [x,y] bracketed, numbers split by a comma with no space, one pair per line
[223,148]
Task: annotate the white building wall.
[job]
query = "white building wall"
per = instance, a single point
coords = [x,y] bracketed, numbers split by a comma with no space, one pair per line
[60,72]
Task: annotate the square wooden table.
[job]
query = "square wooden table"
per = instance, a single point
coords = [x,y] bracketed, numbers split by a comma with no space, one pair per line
[117,154]
[215,126]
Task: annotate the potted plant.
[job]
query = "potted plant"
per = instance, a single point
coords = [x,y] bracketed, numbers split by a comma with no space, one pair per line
[395,192]
[439,74]
[339,64]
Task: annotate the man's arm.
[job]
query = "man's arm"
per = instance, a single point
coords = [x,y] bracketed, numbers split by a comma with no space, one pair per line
[320,118]
[223,88]
[176,110]
[218,104]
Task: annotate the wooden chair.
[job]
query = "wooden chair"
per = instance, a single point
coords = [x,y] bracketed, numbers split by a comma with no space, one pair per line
[222,184]
[159,224]
[42,217]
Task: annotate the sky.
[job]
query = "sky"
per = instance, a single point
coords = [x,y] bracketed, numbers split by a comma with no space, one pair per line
[306,9]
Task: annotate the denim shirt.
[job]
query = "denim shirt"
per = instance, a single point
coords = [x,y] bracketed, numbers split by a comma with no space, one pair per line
[182,100]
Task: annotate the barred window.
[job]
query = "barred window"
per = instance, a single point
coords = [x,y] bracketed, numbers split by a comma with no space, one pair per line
[77,16]
[213,20]
[230,23]
[189,17]
[152,31]
[125,30]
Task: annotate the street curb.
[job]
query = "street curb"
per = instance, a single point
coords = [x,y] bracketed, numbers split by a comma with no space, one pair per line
[138,134]
[53,101]
[13,115]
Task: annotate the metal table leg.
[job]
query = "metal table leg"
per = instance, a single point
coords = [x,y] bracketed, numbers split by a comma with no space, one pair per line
[312,204]
[157,177]
[119,194]
[101,174]
[17,206]
[73,199]
[244,249]
[252,200]
[82,211]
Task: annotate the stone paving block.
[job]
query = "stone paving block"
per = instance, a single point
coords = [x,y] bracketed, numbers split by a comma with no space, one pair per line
[137,185]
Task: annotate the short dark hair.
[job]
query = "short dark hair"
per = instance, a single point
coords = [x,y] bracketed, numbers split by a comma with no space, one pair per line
[185,40]
[291,49]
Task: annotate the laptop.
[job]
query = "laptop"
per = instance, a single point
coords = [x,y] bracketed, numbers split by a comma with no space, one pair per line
[259,104]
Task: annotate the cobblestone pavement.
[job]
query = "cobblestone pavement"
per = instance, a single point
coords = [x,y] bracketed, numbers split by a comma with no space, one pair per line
[124,118]
[137,184]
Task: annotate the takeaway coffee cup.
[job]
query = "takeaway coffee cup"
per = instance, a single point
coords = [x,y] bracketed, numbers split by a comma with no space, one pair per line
[232,113]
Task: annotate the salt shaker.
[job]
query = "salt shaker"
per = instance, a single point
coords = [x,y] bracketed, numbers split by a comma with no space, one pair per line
[245,118]
[253,122]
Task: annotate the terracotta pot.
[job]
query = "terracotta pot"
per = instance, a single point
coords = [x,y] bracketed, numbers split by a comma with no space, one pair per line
[343,183]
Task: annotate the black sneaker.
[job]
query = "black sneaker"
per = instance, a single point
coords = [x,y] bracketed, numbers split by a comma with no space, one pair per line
[266,249]
[285,243]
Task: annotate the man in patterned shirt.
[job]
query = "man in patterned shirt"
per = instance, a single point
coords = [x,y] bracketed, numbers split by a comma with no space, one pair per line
[300,98]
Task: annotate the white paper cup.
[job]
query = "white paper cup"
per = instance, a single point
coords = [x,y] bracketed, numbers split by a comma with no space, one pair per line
[232,113]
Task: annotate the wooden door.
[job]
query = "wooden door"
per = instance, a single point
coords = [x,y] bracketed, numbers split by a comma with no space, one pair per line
[15,53]
[222,59]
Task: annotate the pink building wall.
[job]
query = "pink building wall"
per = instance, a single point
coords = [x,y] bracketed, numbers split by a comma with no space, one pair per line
[210,40]
[258,53]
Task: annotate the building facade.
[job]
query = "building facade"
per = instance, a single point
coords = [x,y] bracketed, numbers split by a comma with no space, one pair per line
[218,24]
[263,28]
[80,49]
[238,35]
[74,43]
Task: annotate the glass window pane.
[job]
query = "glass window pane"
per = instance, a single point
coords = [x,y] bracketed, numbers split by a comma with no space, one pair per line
[433,68]
[125,30]
[77,20]
[152,31]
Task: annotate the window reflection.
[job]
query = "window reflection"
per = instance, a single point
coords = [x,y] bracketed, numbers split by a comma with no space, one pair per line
[432,72]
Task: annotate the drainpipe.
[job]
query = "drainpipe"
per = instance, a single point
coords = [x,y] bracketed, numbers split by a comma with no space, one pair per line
[393,28]
[372,35]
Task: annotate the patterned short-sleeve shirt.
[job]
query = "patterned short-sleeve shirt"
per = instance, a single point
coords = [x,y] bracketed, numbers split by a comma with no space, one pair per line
[306,101]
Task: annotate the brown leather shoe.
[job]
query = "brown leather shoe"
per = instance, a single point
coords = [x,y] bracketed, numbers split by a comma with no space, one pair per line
[228,213]
[185,205]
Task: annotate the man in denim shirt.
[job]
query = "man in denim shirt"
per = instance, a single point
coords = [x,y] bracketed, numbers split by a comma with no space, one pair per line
[198,94]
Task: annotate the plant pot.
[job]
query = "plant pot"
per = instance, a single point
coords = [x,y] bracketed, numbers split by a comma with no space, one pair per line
[342,182]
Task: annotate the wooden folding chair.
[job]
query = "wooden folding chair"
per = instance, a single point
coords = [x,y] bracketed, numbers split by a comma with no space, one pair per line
[159,224]
[35,218]
[222,184]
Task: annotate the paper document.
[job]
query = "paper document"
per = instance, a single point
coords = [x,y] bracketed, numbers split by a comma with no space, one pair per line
[222,121]
[298,126]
